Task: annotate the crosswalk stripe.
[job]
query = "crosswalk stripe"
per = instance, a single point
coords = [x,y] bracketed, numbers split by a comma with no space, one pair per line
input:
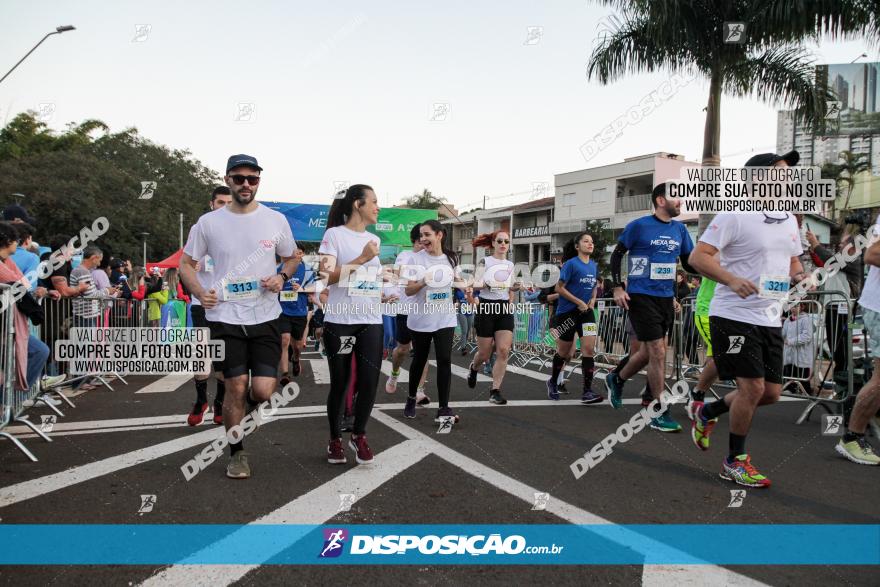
[321,371]
[315,507]
[681,575]
[404,374]
[166,384]
[463,373]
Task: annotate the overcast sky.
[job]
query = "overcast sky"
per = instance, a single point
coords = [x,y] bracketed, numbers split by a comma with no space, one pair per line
[346,91]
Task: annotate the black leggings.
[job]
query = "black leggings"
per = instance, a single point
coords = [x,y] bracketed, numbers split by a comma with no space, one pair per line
[442,350]
[340,341]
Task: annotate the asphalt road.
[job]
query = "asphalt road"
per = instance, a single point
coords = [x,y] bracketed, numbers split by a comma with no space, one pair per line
[116,446]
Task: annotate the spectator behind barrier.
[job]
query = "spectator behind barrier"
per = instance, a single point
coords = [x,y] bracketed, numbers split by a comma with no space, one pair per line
[800,348]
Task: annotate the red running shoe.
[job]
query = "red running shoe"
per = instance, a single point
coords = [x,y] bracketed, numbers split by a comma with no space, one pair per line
[363,454]
[198,414]
[335,454]
[218,414]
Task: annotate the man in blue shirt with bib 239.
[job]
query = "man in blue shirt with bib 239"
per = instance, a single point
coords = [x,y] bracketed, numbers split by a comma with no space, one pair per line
[655,244]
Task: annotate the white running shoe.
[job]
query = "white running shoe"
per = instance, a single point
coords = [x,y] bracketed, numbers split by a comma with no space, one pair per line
[391,384]
[422,398]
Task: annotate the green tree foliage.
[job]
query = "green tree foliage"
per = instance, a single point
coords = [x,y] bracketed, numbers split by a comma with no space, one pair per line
[603,237]
[424,201]
[73,177]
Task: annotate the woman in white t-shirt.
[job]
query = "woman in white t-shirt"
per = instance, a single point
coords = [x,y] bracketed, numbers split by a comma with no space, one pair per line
[352,314]
[494,320]
[432,317]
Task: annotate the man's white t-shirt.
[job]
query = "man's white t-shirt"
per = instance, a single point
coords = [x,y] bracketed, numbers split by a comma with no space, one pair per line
[497,279]
[757,250]
[871,293]
[242,248]
[434,307]
[205,273]
[341,308]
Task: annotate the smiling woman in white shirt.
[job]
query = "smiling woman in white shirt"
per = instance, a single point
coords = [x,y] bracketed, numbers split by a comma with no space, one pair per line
[352,314]
[494,322]
[433,314]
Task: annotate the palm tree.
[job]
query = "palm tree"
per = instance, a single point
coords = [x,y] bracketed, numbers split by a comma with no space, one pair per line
[688,37]
[425,201]
[852,164]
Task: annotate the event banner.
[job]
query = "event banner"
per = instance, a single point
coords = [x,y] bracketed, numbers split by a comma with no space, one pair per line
[403,544]
[309,221]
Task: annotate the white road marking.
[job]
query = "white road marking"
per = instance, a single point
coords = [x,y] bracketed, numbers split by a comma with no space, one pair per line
[386,369]
[166,384]
[43,485]
[315,507]
[463,372]
[706,575]
[321,371]
[149,422]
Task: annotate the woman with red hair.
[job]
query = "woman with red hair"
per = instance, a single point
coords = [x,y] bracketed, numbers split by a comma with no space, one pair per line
[494,320]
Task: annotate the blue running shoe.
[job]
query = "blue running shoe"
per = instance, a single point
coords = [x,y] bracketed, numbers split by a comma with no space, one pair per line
[614,385]
[552,389]
[665,423]
[409,410]
[591,397]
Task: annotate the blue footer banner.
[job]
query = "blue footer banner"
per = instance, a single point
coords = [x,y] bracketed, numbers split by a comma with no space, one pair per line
[194,544]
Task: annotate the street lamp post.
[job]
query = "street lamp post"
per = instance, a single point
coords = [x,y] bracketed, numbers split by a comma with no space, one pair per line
[145,235]
[859,57]
[57,31]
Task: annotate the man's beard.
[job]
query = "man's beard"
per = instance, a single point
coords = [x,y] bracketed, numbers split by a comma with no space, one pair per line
[673,211]
[243,200]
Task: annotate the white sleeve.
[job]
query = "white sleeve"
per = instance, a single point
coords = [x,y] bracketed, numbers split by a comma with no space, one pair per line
[196,246]
[721,231]
[285,246]
[329,246]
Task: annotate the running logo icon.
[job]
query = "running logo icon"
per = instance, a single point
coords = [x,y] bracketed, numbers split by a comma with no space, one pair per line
[147,504]
[832,425]
[48,422]
[639,264]
[737,497]
[147,189]
[334,541]
[446,423]
[541,501]
[346,500]
[735,32]
[346,345]
[736,344]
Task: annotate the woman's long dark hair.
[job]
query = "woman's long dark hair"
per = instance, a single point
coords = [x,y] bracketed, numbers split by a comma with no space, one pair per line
[569,251]
[343,204]
[444,241]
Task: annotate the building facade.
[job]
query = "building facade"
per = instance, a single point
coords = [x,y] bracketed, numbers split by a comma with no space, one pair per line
[614,194]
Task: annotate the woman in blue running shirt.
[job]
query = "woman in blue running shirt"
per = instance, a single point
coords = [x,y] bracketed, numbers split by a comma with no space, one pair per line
[574,314]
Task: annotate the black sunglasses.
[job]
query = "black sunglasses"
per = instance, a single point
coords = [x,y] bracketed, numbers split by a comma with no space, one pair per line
[240,179]
[502,242]
[771,220]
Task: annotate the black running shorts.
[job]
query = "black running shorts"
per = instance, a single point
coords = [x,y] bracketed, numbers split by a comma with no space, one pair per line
[293,325]
[492,316]
[741,349]
[401,331]
[651,316]
[572,322]
[252,347]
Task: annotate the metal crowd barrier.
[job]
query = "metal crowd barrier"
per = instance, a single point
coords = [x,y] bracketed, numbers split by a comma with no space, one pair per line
[59,317]
[828,311]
